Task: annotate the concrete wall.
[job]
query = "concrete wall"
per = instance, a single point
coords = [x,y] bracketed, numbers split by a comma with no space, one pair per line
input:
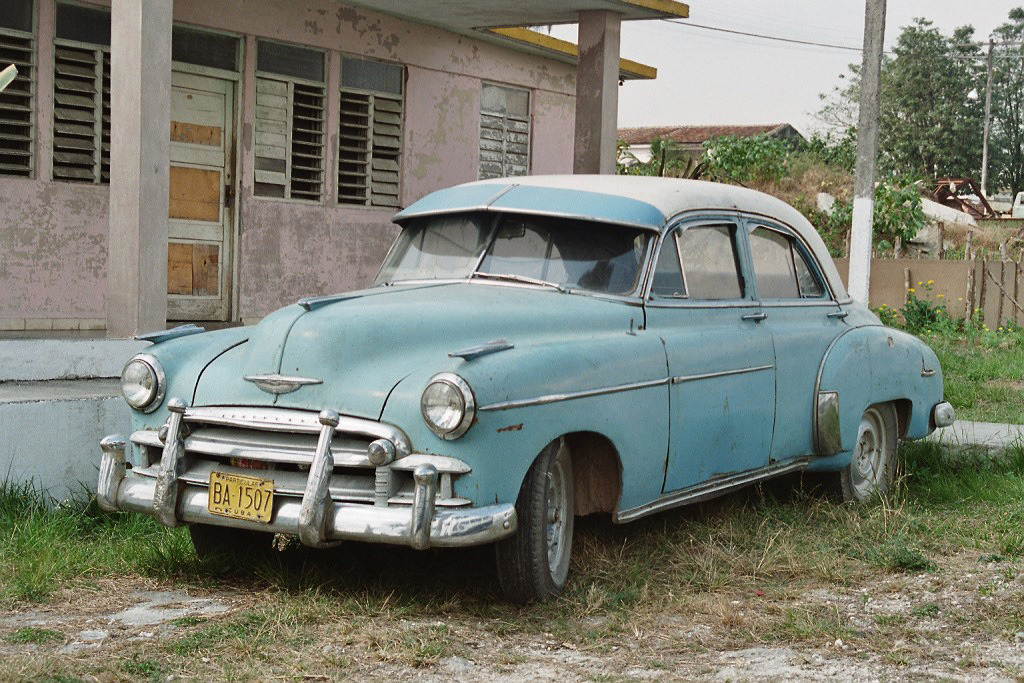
[53,239]
[891,278]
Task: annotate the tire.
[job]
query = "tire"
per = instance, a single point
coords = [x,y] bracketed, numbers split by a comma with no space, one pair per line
[533,564]
[226,543]
[874,466]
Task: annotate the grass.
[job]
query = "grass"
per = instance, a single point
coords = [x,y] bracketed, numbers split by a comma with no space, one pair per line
[983,381]
[738,563]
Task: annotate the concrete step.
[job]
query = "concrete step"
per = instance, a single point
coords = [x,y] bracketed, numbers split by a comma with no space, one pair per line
[993,436]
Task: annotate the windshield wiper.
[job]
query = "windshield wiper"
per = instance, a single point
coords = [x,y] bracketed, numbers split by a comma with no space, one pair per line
[520,278]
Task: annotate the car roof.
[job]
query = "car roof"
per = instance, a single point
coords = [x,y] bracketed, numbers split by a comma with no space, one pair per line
[638,201]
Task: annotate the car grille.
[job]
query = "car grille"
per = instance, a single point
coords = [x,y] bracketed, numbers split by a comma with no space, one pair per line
[280,444]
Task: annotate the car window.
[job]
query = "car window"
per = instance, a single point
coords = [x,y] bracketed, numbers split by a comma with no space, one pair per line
[668,276]
[438,247]
[780,268]
[569,253]
[710,264]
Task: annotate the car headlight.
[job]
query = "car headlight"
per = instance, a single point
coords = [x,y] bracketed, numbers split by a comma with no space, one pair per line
[143,383]
[448,405]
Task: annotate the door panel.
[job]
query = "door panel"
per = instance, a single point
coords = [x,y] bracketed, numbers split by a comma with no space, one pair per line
[199,230]
[803,320]
[721,360]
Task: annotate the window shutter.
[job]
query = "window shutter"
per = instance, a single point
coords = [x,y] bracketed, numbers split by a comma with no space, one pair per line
[271,137]
[307,141]
[17,106]
[354,148]
[370,139]
[504,132]
[387,150]
[81,114]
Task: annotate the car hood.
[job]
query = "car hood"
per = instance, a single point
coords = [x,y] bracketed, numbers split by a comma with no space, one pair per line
[362,346]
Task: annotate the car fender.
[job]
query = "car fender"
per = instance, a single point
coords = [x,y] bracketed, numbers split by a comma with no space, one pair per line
[528,396]
[877,364]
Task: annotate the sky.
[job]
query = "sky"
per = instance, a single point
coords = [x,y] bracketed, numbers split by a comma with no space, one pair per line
[706,77]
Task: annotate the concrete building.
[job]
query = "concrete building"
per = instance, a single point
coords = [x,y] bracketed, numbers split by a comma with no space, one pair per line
[256,149]
[189,160]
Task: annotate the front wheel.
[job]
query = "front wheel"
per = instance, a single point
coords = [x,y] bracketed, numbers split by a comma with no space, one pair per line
[874,465]
[533,564]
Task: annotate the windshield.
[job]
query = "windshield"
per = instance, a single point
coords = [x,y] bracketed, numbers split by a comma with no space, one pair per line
[568,253]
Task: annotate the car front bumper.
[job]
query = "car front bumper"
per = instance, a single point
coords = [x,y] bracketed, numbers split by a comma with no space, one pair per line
[318,520]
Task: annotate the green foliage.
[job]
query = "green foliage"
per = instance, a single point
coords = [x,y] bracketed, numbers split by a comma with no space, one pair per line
[898,211]
[834,150]
[33,635]
[667,160]
[1007,136]
[744,160]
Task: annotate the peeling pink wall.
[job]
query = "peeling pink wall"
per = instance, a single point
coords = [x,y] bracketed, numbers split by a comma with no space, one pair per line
[53,249]
[53,235]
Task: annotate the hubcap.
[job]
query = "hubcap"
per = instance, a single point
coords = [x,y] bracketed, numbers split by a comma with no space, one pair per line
[871,455]
[557,515]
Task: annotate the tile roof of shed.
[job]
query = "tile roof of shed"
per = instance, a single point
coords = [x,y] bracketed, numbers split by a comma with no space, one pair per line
[692,134]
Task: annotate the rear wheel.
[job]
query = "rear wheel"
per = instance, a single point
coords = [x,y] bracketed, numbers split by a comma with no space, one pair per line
[873,468]
[224,542]
[533,564]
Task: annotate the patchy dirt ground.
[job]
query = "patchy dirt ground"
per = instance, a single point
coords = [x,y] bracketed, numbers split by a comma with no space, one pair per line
[961,621]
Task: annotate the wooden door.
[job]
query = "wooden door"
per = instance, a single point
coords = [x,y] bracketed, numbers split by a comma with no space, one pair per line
[201,187]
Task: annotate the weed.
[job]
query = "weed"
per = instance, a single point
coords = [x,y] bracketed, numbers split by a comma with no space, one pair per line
[928,609]
[33,635]
[138,666]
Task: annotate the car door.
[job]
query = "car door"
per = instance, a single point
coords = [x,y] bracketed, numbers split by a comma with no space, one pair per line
[803,318]
[720,357]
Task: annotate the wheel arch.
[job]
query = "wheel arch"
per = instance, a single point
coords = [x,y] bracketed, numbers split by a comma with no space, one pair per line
[597,472]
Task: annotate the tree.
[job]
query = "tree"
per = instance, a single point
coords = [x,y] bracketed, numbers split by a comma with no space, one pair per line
[1006,140]
[929,126]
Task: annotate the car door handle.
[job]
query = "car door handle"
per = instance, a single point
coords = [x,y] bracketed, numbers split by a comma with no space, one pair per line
[839,315]
[756,317]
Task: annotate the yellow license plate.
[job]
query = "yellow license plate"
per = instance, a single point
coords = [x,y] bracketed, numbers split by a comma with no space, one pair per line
[232,495]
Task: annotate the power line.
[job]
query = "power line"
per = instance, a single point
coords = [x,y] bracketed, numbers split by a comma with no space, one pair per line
[780,39]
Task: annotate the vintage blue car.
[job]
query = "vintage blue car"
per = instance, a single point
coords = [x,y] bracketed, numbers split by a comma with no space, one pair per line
[533,349]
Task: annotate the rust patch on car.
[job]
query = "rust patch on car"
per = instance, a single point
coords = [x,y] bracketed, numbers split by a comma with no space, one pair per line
[512,428]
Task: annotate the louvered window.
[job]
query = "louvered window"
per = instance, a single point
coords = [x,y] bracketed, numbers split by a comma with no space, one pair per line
[504,131]
[290,117]
[370,136]
[81,95]
[17,47]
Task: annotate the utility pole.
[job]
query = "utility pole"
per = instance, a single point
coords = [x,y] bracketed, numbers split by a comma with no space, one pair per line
[867,151]
[988,112]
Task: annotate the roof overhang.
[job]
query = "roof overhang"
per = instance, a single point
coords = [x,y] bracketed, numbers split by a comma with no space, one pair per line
[502,22]
[468,15]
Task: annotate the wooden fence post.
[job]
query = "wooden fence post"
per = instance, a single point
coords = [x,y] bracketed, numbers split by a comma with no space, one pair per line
[940,235]
[967,250]
[1002,283]
[906,285]
[983,291]
[969,295]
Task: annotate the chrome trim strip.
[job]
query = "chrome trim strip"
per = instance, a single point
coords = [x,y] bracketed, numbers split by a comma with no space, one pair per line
[280,384]
[710,489]
[311,302]
[276,453]
[724,373]
[289,420]
[554,398]
[442,463]
[493,346]
[173,333]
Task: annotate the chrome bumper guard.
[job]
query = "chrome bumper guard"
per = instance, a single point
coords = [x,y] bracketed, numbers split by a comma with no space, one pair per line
[316,519]
[943,415]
